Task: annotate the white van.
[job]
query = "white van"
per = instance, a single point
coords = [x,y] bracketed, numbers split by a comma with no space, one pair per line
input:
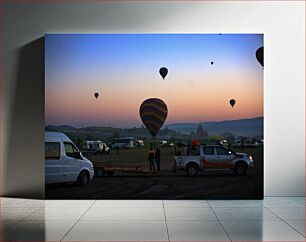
[97,146]
[64,162]
[127,142]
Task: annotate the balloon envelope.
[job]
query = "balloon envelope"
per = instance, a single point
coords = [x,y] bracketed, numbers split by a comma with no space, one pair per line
[163,72]
[260,55]
[232,102]
[153,113]
[212,63]
[96,95]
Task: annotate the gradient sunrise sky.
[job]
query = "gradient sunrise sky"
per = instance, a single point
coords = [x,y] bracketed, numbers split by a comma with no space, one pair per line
[124,69]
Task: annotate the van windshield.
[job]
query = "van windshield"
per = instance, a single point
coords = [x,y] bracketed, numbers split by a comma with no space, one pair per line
[70,149]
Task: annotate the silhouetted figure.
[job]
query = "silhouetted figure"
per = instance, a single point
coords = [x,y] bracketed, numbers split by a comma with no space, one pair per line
[157,158]
[189,148]
[151,157]
[242,144]
[117,148]
[103,149]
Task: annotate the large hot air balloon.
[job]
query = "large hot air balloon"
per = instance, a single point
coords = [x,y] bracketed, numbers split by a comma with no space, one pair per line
[232,102]
[153,113]
[212,63]
[163,72]
[260,55]
[96,95]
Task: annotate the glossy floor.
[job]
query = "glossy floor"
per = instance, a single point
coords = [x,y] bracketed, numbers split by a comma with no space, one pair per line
[273,219]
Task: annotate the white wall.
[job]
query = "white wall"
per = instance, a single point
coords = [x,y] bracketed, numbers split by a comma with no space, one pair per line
[283,24]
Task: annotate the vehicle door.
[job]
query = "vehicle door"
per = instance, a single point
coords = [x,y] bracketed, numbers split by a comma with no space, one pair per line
[72,162]
[209,157]
[224,158]
[54,163]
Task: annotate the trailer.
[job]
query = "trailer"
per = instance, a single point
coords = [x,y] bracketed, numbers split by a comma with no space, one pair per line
[102,170]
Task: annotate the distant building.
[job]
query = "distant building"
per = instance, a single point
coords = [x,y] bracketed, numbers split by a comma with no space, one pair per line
[201,133]
[166,133]
[229,136]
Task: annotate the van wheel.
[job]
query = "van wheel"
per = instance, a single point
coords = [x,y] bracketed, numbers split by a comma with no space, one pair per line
[110,173]
[83,178]
[192,169]
[100,172]
[240,169]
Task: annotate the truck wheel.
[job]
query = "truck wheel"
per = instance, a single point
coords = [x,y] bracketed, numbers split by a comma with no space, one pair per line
[100,172]
[240,169]
[110,173]
[192,169]
[83,178]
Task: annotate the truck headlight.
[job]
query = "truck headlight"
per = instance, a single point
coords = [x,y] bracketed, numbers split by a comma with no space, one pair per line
[250,157]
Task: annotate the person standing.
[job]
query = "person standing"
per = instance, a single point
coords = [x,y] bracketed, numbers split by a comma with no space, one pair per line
[151,158]
[157,158]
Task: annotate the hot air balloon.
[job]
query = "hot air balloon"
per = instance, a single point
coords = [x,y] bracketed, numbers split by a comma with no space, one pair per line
[96,95]
[163,72]
[153,113]
[260,55]
[212,63]
[232,102]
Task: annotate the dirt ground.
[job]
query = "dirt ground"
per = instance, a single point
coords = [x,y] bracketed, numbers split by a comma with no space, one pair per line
[165,184]
[134,156]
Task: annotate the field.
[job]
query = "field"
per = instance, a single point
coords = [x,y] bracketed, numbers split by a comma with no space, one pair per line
[165,184]
[134,156]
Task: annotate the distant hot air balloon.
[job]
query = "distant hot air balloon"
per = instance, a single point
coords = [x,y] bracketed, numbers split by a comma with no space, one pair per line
[212,63]
[96,95]
[260,55]
[153,113]
[232,102]
[163,72]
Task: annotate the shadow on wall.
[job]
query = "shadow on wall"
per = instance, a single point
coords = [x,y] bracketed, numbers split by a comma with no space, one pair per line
[31,230]
[25,152]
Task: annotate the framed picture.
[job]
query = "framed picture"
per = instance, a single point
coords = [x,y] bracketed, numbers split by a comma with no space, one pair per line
[154,116]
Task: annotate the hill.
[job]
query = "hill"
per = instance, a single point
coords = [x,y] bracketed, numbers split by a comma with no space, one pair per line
[241,127]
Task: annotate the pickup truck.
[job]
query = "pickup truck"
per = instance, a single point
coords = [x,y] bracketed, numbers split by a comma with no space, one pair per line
[213,158]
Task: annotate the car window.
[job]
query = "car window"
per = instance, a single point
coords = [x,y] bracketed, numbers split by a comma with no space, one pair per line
[222,151]
[52,150]
[70,149]
[209,150]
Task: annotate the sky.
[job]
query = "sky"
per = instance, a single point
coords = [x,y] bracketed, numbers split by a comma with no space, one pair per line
[124,70]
